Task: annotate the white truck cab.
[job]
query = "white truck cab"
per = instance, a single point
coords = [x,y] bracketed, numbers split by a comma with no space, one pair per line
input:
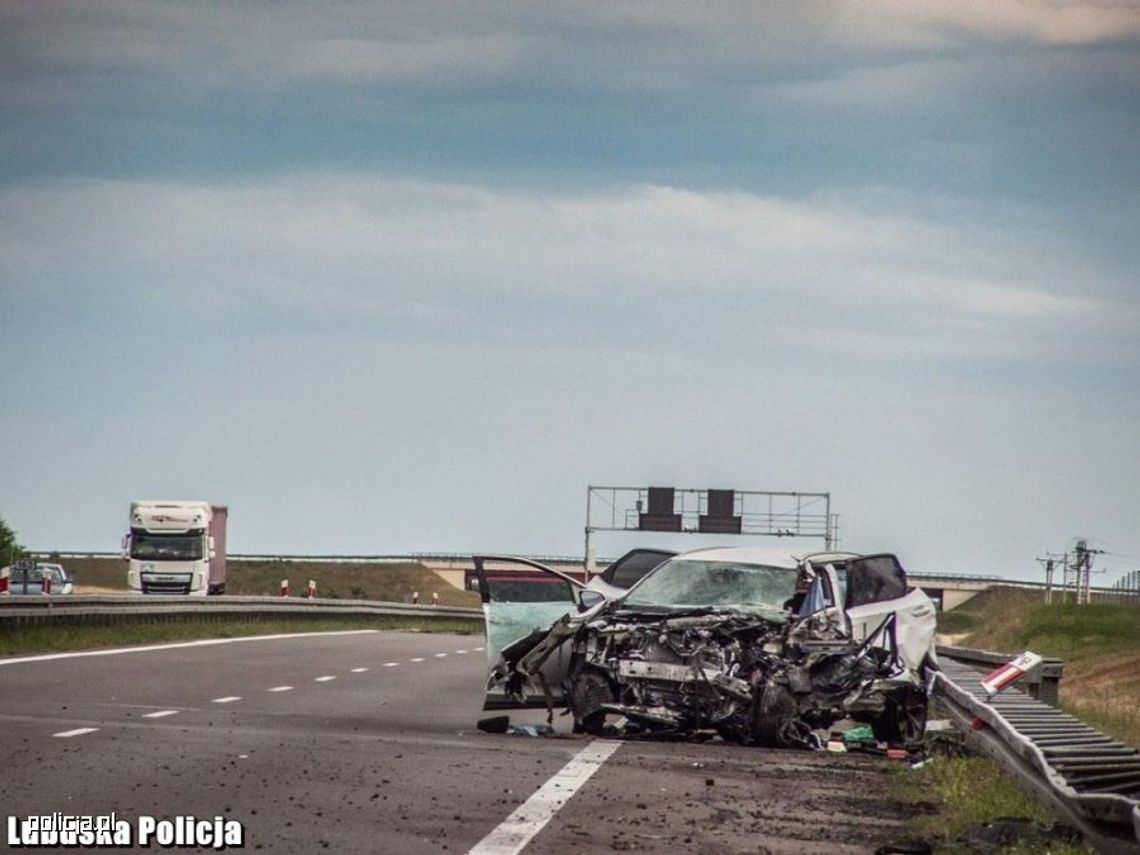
[176,547]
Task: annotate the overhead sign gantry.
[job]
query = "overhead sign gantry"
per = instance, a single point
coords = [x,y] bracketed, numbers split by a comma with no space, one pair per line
[686,510]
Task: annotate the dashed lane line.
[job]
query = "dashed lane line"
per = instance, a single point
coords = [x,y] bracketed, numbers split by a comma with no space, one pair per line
[529,818]
[460,652]
[229,699]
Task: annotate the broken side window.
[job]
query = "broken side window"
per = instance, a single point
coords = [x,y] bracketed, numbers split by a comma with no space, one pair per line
[873,579]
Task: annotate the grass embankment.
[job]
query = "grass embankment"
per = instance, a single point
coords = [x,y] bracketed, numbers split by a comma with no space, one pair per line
[55,639]
[1099,643]
[969,791]
[390,583]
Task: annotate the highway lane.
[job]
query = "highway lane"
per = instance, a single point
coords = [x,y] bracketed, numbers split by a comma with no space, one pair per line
[384,757]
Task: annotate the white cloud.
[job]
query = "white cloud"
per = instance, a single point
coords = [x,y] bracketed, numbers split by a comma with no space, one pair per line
[363,244]
[1048,21]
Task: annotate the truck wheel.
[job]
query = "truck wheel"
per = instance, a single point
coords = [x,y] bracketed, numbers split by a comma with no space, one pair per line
[216,590]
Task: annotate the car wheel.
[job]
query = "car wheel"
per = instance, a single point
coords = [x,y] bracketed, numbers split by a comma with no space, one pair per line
[904,718]
[589,690]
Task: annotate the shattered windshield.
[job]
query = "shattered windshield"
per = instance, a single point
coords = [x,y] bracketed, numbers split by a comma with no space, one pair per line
[715,583]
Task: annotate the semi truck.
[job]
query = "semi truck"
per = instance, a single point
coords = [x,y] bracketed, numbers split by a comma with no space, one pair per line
[176,548]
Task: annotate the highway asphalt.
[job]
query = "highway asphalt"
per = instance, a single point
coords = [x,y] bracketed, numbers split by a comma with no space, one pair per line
[366,742]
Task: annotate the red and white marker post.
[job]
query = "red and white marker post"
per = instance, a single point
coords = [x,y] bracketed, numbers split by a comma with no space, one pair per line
[284,587]
[434,598]
[1009,673]
[4,571]
[415,598]
[312,589]
[45,583]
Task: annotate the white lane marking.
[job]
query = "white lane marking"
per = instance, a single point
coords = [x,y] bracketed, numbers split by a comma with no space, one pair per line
[460,652]
[416,659]
[440,655]
[179,645]
[79,731]
[359,670]
[529,818]
[477,649]
[391,664]
[160,714]
[281,689]
[324,679]
[228,699]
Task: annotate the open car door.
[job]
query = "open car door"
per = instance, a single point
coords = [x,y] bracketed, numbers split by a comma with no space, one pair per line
[876,588]
[522,601]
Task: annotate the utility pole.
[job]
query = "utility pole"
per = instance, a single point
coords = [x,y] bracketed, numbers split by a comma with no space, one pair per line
[1082,564]
[1049,562]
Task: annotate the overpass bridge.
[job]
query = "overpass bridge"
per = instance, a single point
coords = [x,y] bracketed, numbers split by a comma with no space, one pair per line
[949,590]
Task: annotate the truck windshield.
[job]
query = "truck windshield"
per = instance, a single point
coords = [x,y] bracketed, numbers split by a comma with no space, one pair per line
[166,547]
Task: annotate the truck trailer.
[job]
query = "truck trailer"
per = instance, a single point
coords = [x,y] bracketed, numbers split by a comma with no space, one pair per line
[176,548]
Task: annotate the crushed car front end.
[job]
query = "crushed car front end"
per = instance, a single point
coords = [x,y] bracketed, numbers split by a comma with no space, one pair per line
[707,645]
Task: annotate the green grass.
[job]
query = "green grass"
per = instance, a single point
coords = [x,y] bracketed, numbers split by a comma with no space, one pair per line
[968,791]
[53,639]
[390,583]
[957,621]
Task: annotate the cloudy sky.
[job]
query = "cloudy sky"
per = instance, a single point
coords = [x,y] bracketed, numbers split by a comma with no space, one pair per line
[391,277]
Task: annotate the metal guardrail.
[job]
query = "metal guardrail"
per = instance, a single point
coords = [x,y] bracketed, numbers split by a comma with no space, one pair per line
[1089,779]
[21,610]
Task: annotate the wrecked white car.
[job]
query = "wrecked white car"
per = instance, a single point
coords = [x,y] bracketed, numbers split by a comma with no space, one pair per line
[752,645]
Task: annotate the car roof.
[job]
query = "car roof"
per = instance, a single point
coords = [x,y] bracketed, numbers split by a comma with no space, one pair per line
[743,555]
